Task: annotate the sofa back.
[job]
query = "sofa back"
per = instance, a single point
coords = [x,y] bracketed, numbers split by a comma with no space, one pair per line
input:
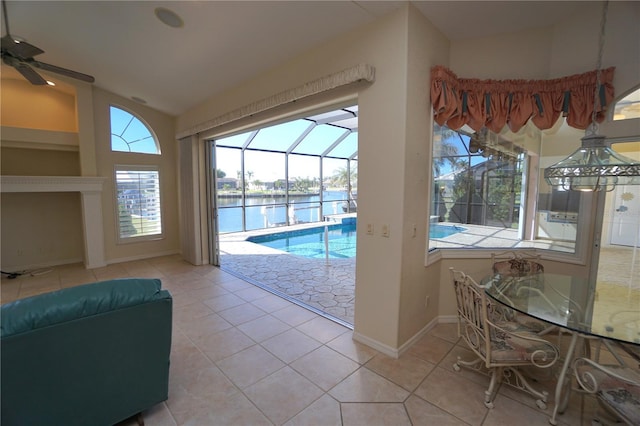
[93,354]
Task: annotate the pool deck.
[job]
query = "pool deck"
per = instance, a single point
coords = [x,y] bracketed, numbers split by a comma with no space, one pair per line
[329,287]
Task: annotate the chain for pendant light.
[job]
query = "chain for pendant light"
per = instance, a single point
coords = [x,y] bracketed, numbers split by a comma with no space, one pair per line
[603,24]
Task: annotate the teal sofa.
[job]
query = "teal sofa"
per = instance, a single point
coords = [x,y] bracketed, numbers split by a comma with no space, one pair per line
[90,355]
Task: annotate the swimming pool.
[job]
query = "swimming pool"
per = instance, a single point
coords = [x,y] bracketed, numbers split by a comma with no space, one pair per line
[342,240]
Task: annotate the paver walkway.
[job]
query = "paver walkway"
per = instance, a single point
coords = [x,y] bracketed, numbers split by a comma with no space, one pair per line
[329,288]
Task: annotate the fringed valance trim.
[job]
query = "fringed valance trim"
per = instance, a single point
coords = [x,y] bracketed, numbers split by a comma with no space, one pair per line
[361,72]
[496,103]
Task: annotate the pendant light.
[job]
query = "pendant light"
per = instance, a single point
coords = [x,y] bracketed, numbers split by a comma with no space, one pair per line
[594,166]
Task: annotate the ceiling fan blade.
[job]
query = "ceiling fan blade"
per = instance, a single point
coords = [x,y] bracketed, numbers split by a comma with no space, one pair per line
[30,74]
[21,49]
[62,71]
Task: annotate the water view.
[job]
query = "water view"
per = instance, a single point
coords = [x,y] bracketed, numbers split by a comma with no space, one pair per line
[266,211]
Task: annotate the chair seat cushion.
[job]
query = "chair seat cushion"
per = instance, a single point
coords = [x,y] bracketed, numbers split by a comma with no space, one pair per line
[509,348]
[623,397]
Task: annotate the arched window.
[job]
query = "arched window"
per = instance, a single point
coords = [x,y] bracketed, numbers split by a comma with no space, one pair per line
[628,107]
[130,134]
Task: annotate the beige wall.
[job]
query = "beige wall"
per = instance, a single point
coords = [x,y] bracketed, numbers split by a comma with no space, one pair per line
[46,229]
[164,129]
[426,47]
[40,229]
[36,107]
[39,162]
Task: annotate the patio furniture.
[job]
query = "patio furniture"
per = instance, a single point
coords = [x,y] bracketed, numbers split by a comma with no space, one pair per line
[502,347]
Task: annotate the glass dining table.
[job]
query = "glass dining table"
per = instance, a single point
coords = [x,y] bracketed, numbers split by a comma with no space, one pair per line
[571,303]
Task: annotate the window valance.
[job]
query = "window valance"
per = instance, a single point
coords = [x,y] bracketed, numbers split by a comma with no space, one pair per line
[494,103]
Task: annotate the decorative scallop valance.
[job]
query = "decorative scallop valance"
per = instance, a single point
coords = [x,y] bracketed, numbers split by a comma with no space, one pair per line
[494,103]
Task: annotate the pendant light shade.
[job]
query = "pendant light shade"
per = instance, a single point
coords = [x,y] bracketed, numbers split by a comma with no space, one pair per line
[593,167]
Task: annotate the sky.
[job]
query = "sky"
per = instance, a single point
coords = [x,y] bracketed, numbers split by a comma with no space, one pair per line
[270,166]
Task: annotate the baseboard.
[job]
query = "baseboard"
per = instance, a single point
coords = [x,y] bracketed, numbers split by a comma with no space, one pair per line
[380,347]
[33,266]
[406,345]
[447,319]
[397,352]
[142,257]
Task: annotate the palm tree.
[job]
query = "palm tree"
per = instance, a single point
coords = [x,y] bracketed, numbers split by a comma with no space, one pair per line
[342,177]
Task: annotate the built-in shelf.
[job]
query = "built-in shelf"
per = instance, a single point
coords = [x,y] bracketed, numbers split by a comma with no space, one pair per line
[18,137]
[51,183]
[90,189]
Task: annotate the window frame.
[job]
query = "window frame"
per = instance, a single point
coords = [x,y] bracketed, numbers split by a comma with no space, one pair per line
[530,191]
[137,169]
[143,122]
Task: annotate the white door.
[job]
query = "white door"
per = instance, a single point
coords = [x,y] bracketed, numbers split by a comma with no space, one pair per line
[625,229]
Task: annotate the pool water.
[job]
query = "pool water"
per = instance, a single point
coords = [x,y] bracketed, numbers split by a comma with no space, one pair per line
[342,240]
[310,242]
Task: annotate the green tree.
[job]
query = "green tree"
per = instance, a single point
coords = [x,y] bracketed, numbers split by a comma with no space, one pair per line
[220,173]
[302,184]
[279,184]
[341,176]
[126,222]
[503,192]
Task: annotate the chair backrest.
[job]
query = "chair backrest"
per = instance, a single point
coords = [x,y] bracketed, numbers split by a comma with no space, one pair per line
[472,313]
[516,263]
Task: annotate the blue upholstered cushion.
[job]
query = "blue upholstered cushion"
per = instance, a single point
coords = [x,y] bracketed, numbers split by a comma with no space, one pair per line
[77,302]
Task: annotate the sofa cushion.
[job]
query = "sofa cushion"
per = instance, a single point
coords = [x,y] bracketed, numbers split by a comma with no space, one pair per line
[77,302]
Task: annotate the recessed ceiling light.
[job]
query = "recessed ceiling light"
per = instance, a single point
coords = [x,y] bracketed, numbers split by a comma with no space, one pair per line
[139,100]
[168,17]
[50,83]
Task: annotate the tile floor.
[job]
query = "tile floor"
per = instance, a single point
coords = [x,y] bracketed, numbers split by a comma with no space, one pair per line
[242,356]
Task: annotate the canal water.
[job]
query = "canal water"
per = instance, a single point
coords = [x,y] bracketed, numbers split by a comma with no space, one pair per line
[264,212]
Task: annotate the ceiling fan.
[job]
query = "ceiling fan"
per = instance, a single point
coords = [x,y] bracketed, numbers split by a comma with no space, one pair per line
[19,54]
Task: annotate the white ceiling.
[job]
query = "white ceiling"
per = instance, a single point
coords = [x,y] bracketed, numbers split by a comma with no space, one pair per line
[222,43]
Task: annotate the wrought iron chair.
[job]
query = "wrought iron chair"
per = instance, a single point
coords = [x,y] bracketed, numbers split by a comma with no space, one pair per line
[521,272]
[616,386]
[516,264]
[501,346]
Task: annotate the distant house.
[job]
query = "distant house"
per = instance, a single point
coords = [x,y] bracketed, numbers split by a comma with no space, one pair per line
[226,183]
